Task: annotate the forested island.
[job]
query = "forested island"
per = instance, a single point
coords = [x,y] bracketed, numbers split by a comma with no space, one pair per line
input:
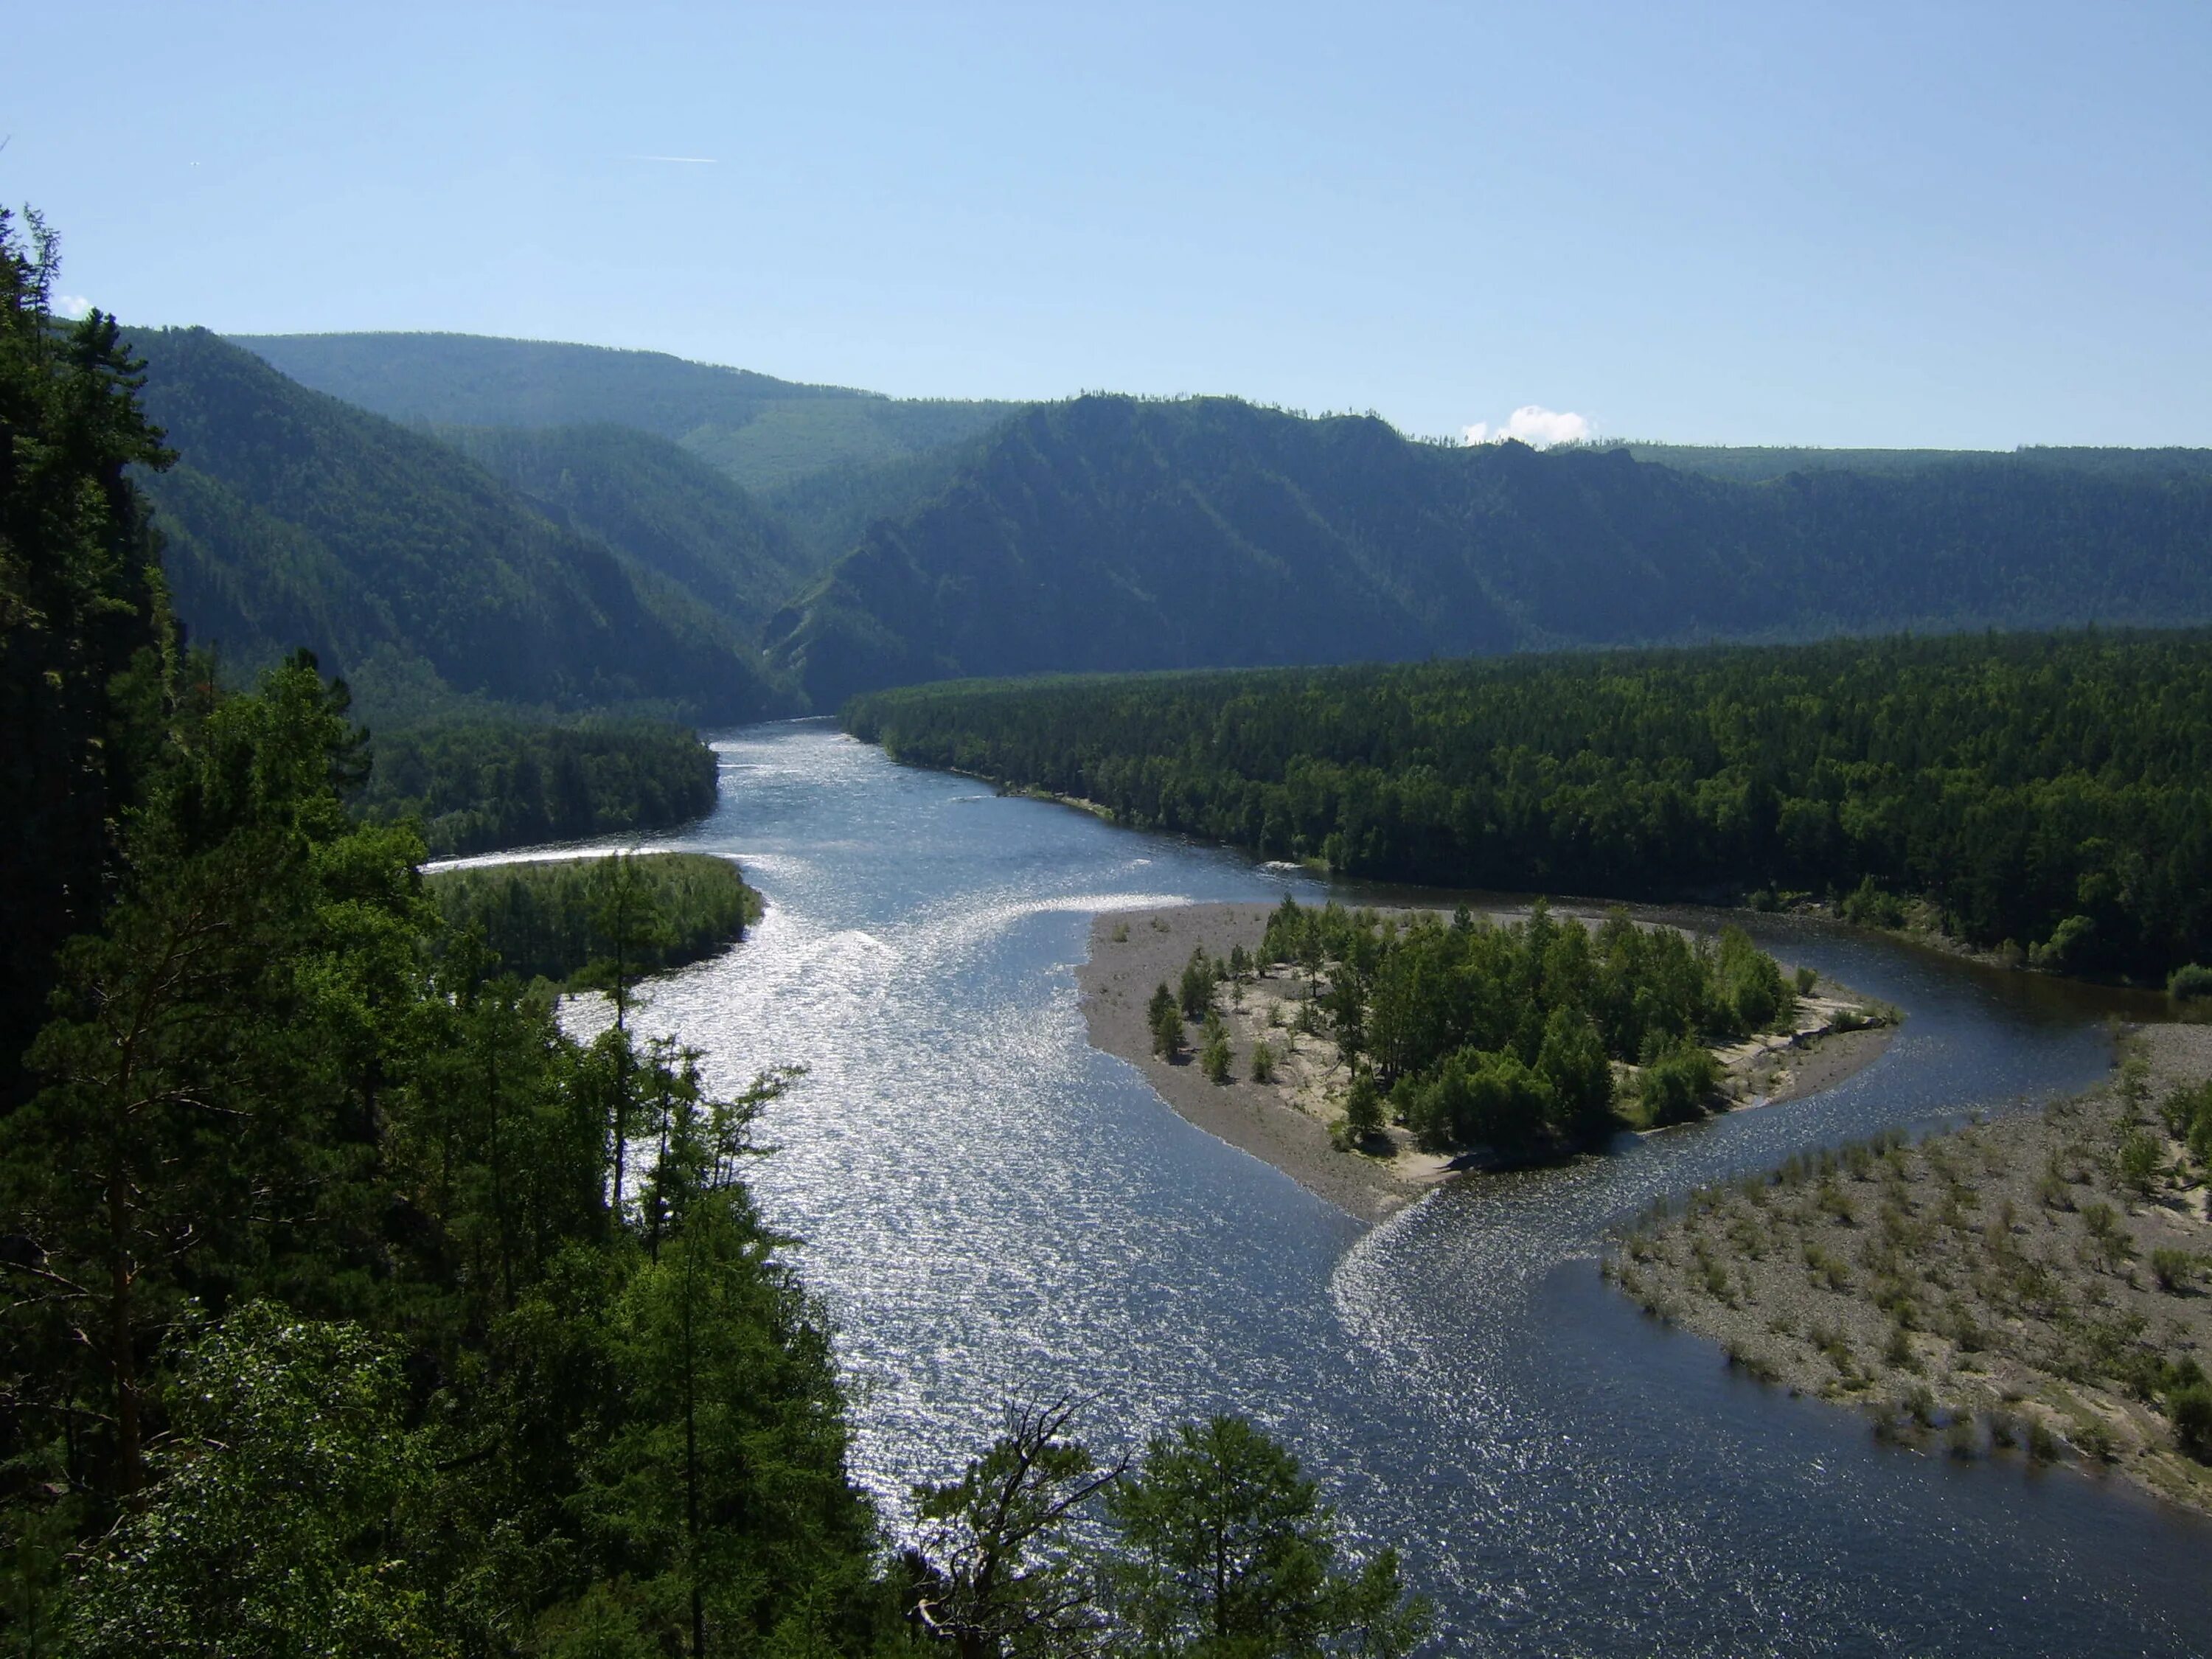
[478,780]
[346,1312]
[594,921]
[1368,1055]
[2044,798]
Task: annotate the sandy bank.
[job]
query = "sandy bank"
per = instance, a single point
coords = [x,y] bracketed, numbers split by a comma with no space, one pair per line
[1261,1119]
[1287,1122]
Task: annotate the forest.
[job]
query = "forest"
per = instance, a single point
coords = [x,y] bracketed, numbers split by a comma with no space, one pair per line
[1107,534]
[596,922]
[485,778]
[1478,1035]
[292,519]
[354,1306]
[2045,796]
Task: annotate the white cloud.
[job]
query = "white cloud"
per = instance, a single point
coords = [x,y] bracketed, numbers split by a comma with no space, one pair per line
[70,304]
[1534,425]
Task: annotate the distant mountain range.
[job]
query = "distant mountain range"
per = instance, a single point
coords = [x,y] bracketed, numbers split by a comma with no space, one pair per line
[1120,533]
[294,519]
[565,524]
[762,432]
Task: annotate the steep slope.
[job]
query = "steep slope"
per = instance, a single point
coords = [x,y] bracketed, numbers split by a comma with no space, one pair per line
[760,431]
[659,504]
[1097,534]
[1112,533]
[294,518]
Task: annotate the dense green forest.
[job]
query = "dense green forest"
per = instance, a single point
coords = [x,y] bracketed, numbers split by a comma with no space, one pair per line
[762,432]
[1751,463]
[294,519]
[86,642]
[344,1313]
[1113,533]
[665,508]
[1504,1036]
[2053,792]
[482,780]
[594,920]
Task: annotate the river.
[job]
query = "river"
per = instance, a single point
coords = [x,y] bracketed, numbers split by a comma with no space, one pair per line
[989,1208]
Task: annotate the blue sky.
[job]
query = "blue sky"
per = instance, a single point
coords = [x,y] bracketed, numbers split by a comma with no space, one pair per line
[1930,224]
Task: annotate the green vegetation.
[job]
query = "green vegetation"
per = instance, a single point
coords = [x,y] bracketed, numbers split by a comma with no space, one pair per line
[1505,1037]
[2049,791]
[479,781]
[294,519]
[2190,983]
[1755,463]
[2188,1113]
[85,633]
[1115,533]
[759,431]
[661,506]
[557,919]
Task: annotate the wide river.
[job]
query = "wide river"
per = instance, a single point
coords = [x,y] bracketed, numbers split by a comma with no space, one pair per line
[992,1210]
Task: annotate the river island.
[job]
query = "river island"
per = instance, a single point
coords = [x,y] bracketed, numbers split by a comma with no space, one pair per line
[1289,1109]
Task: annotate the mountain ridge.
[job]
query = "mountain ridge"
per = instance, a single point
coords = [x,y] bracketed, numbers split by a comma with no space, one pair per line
[1108,534]
[296,519]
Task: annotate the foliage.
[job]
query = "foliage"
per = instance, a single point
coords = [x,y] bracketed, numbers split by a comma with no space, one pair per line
[283,1513]
[997,1572]
[2047,790]
[1231,1553]
[84,626]
[542,919]
[1677,1086]
[1506,1037]
[2190,1410]
[479,782]
[2190,983]
[1214,1055]
[1164,1015]
[1195,990]
[620,1424]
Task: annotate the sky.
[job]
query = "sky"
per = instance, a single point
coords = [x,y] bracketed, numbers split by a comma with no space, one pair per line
[1928,225]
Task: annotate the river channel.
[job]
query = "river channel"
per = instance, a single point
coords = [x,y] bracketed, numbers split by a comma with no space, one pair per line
[989,1208]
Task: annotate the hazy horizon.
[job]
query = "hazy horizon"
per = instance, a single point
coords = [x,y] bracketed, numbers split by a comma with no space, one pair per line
[1842,227]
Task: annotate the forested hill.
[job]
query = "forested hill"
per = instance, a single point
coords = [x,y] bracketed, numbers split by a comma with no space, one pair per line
[659,504]
[1110,533]
[2051,792]
[294,518]
[760,431]
[1751,464]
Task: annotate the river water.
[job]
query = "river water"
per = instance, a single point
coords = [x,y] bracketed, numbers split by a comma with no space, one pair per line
[991,1209]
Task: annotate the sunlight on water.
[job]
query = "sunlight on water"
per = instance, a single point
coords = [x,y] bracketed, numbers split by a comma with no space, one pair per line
[990,1208]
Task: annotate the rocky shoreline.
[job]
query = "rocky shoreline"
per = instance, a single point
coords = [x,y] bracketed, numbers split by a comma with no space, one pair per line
[2034,1287]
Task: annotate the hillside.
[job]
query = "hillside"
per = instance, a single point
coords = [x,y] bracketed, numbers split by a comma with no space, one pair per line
[655,501]
[1110,533]
[294,518]
[760,431]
